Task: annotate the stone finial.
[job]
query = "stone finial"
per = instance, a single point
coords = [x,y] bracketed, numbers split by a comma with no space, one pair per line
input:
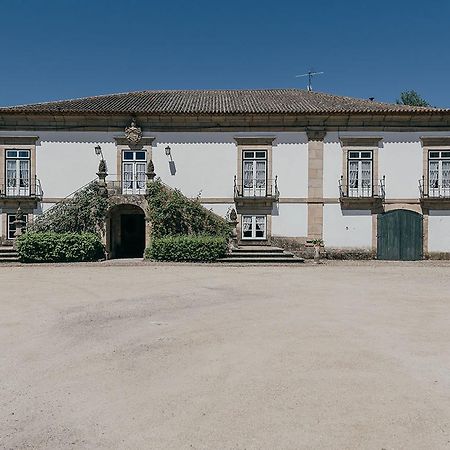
[150,171]
[233,215]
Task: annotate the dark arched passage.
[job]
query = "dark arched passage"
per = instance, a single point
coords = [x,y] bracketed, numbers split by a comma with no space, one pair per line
[126,231]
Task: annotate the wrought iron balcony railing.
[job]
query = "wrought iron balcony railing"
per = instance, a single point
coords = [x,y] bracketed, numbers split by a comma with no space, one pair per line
[256,189]
[359,190]
[130,187]
[434,190]
[22,189]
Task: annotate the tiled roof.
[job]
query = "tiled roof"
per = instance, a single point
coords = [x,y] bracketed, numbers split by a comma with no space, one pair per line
[261,101]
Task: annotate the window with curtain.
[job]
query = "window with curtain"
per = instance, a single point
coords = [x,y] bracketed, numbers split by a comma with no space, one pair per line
[17,172]
[360,173]
[254,171]
[439,173]
[254,227]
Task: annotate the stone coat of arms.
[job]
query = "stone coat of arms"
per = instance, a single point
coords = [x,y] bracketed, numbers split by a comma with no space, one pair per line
[133,133]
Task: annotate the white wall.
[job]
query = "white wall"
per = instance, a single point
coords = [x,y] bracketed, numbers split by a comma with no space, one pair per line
[290,164]
[290,220]
[332,165]
[400,159]
[346,228]
[219,208]
[439,231]
[65,161]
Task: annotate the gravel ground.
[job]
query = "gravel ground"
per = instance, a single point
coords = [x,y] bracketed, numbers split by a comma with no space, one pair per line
[179,356]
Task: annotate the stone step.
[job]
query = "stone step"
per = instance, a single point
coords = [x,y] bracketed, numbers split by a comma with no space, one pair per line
[272,260]
[257,249]
[261,255]
[7,249]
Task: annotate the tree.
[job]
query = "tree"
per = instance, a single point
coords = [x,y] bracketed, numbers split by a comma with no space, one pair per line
[412,98]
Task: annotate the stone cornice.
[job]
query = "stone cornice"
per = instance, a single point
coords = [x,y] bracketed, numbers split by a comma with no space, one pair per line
[145,141]
[254,140]
[368,141]
[18,140]
[316,135]
[435,141]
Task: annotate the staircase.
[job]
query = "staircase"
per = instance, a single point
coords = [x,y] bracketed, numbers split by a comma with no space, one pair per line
[260,255]
[8,254]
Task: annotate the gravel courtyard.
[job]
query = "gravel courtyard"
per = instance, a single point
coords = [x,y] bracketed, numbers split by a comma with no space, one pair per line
[337,356]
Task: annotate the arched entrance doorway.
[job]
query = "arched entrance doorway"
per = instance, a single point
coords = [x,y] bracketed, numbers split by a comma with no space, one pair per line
[126,231]
[400,235]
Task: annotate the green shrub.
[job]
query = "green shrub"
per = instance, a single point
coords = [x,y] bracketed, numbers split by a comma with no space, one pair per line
[59,247]
[187,248]
[171,213]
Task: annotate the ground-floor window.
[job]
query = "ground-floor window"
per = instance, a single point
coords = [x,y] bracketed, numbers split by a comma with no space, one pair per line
[12,224]
[253,227]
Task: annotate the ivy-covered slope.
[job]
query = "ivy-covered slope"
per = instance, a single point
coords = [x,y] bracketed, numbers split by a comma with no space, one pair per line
[84,212]
[171,214]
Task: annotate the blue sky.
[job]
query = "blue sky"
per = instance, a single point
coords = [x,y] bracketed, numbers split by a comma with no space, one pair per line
[73,48]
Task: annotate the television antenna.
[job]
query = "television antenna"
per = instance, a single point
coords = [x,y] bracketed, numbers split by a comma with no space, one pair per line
[310,74]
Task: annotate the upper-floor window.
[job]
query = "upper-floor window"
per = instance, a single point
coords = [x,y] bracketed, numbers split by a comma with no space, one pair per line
[133,171]
[360,173]
[254,170]
[439,172]
[17,172]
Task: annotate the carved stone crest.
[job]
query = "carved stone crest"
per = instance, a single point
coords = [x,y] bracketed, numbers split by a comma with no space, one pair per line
[133,133]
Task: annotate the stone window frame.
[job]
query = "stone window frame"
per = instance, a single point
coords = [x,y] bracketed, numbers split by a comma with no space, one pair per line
[429,144]
[254,144]
[18,143]
[123,144]
[371,143]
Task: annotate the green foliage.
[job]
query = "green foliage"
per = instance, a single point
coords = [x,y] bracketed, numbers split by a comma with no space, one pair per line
[412,98]
[59,247]
[85,212]
[187,248]
[171,214]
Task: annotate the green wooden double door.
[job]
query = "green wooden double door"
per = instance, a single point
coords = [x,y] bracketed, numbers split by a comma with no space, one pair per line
[400,235]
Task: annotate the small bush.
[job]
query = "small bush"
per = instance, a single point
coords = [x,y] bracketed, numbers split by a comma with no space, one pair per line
[59,247]
[187,248]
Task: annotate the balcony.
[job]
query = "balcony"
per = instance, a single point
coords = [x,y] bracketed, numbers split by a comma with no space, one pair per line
[131,187]
[434,196]
[18,190]
[256,192]
[354,196]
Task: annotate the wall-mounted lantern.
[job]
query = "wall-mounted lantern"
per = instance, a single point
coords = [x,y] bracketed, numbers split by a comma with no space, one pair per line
[168,151]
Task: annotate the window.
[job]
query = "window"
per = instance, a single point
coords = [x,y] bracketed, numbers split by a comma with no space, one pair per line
[253,227]
[360,173]
[12,226]
[439,173]
[254,170]
[17,172]
[133,171]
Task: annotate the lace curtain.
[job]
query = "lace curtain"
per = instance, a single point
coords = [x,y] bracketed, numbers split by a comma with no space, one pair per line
[247,223]
[434,174]
[11,173]
[140,175]
[353,174]
[446,174]
[248,174]
[24,174]
[128,176]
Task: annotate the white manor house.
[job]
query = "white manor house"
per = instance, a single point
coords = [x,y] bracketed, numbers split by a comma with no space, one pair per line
[295,165]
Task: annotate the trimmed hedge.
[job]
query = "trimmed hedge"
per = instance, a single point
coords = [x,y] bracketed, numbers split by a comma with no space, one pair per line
[187,248]
[59,247]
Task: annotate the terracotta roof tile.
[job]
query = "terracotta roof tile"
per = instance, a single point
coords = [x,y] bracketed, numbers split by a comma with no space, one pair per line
[264,101]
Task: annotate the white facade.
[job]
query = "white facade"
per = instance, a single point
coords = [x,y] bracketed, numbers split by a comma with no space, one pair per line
[204,164]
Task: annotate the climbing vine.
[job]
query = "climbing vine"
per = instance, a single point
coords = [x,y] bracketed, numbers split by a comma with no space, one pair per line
[171,214]
[85,212]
